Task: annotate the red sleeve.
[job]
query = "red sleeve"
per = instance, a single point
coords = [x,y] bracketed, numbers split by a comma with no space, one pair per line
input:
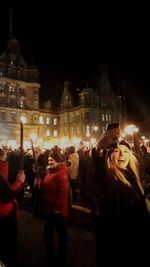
[16,185]
[4,169]
[62,192]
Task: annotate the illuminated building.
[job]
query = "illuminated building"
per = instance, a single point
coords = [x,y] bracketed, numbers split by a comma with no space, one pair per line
[19,96]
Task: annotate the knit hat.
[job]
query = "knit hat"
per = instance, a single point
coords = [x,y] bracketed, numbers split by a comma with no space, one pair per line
[57,157]
[125,143]
[122,142]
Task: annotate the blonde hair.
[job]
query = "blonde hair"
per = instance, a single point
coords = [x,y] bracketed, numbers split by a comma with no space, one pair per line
[119,175]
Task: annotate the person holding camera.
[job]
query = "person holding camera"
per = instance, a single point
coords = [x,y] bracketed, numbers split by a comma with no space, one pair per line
[122,221]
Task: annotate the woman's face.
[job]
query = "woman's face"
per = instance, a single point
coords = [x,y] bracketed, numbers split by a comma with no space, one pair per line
[52,163]
[120,157]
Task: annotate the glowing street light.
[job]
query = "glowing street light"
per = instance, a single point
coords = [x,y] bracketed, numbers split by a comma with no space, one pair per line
[130,129]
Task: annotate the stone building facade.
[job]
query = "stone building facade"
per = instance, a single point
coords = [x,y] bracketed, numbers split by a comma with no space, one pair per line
[19,97]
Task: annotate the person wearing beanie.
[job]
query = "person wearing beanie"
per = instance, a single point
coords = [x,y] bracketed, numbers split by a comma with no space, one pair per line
[122,220]
[54,189]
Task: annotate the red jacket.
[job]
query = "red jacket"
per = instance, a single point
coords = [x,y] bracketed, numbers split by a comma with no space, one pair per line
[8,203]
[55,191]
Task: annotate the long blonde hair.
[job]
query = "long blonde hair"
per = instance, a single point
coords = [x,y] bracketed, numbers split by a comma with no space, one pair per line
[119,175]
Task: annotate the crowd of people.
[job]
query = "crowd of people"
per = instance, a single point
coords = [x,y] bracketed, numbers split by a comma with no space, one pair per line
[111,179]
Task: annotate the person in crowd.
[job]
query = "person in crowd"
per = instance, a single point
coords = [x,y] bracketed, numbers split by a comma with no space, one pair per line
[73,166]
[9,212]
[122,221]
[145,157]
[14,162]
[39,170]
[54,189]
[82,173]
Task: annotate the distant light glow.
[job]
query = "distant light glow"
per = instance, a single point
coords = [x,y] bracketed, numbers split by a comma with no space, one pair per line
[130,129]
[95,128]
[23,119]
[75,141]
[33,136]
[12,144]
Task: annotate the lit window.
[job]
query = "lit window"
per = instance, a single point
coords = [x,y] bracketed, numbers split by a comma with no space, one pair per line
[48,132]
[47,120]
[55,133]
[21,104]
[103,104]
[103,117]
[55,121]
[41,120]
[106,117]
[23,117]
[10,88]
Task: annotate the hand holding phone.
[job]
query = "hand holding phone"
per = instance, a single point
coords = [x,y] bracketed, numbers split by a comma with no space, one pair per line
[110,137]
[113,131]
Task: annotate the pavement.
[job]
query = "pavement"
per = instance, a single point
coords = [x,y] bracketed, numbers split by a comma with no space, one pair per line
[81,240]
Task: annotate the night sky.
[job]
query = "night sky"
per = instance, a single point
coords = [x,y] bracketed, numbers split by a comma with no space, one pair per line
[69,42]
